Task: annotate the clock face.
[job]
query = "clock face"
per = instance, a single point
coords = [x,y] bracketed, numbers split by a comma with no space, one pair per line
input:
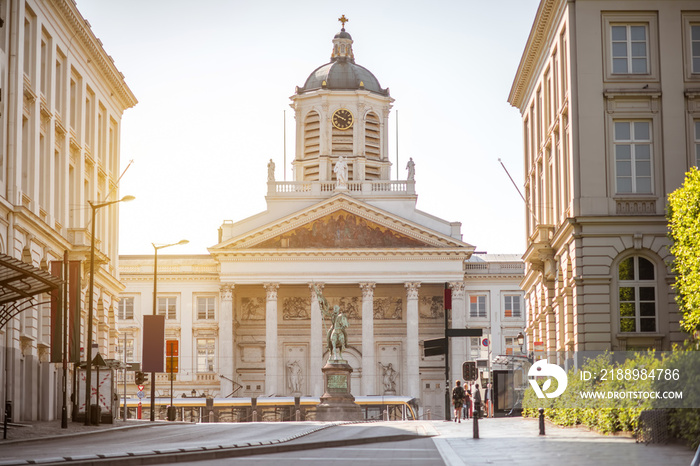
[342,118]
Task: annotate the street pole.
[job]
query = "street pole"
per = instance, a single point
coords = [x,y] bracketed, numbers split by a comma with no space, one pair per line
[172,408]
[88,337]
[125,377]
[155,301]
[448,305]
[64,303]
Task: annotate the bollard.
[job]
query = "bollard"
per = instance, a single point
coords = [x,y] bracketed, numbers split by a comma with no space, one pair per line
[211,416]
[541,411]
[298,415]
[477,411]
[255,416]
[428,414]
[386,415]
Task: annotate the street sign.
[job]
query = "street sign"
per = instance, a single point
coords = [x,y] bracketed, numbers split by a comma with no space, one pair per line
[140,394]
[464,332]
[485,342]
[434,347]
[140,388]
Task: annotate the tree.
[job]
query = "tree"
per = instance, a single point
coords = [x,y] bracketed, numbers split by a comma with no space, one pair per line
[684,230]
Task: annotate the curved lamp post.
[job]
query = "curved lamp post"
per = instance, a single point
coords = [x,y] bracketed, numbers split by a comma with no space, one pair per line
[155,306]
[88,338]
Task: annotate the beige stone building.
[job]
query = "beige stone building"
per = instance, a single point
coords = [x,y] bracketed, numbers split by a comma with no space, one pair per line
[62,100]
[608,92]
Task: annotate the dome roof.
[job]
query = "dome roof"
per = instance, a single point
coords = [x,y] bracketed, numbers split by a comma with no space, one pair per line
[342,73]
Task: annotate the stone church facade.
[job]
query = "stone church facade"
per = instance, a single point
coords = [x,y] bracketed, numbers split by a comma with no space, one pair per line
[246,316]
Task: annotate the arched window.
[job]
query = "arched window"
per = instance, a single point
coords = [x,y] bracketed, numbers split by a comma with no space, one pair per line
[637,295]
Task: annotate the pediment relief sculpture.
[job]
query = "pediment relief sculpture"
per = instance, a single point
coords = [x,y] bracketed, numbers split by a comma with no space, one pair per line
[341,229]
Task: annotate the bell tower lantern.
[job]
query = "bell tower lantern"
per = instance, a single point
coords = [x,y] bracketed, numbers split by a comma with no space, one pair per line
[341,110]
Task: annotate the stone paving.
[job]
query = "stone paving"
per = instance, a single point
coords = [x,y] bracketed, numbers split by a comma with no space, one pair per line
[516,441]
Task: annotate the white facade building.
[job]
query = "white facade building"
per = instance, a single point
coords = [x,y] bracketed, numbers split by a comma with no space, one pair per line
[62,100]
[247,314]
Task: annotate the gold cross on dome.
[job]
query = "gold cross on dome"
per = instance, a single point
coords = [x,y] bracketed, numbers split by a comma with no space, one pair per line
[343,20]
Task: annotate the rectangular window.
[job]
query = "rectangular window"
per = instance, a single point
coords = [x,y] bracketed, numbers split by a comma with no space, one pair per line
[206,307]
[474,348]
[695,48]
[129,349]
[632,141]
[205,354]
[477,306]
[126,308]
[629,45]
[167,307]
[511,306]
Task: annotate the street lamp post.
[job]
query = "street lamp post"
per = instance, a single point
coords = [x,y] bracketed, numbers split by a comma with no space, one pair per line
[88,338]
[521,340]
[155,308]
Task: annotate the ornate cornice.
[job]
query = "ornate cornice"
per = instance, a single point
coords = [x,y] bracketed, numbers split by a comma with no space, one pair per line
[104,63]
[534,49]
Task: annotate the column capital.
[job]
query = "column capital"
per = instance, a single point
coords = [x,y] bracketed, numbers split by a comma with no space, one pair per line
[367,290]
[226,291]
[457,288]
[271,289]
[412,289]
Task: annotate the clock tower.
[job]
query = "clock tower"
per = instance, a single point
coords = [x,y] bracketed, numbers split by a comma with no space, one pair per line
[341,110]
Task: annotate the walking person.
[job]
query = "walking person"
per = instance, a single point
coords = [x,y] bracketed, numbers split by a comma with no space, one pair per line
[489,402]
[458,400]
[467,402]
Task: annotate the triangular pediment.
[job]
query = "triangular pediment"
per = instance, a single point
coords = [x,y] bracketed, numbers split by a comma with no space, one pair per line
[342,229]
[341,222]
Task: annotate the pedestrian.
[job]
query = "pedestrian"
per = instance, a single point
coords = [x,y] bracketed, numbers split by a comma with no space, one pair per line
[477,401]
[467,402]
[488,399]
[458,400]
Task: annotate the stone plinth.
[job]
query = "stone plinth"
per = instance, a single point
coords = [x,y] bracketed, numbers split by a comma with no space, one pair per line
[337,402]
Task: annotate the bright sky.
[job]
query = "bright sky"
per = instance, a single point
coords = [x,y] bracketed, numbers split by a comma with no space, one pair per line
[213,80]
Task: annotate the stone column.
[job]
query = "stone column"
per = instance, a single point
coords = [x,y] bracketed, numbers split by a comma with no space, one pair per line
[226,339]
[412,386]
[458,349]
[271,353]
[369,362]
[317,342]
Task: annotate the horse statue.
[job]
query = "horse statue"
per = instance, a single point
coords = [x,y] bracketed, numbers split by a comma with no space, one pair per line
[336,336]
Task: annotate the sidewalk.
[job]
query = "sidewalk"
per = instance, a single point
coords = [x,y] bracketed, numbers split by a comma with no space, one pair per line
[516,441]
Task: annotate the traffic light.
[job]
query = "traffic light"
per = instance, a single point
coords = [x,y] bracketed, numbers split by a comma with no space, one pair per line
[139,378]
[469,371]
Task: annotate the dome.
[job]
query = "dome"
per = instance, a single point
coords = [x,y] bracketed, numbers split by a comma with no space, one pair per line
[342,73]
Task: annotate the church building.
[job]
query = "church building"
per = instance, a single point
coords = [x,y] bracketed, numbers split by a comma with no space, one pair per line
[246,316]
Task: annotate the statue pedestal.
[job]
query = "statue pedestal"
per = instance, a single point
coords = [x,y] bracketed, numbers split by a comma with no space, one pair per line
[337,403]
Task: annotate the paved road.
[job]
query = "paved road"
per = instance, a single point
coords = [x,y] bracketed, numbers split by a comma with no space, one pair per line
[504,441]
